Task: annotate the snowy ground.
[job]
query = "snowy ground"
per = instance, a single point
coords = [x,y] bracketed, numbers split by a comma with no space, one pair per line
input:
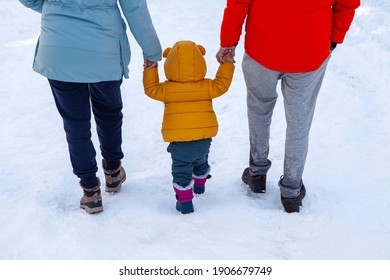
[346,213]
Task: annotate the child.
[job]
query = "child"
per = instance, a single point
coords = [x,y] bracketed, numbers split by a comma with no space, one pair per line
[189,120]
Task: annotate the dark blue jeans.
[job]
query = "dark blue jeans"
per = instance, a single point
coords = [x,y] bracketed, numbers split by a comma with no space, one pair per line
[73,101]
[189,158]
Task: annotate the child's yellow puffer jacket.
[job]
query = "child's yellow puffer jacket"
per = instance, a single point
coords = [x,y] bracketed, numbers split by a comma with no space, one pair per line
[187,95]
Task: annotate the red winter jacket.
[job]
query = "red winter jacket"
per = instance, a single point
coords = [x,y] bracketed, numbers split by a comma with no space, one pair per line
[287,35]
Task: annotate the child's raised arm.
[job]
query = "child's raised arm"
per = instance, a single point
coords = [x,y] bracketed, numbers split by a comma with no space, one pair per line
[153,88]
[223,79]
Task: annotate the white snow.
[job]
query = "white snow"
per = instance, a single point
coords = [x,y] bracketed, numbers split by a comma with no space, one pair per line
[345,216]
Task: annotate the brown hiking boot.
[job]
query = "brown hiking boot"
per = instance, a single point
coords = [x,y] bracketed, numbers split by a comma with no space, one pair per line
[114,179]
[256,183]
[92,200]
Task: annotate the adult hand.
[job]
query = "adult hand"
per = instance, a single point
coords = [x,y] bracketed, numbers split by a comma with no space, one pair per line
[149,64]
[223,52]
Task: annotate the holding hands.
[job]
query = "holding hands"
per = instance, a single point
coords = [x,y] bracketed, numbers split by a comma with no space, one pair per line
[223,55]
[226,54]
[149,64]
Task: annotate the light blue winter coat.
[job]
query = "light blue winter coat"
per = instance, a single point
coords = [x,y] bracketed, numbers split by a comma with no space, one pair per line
[85,40]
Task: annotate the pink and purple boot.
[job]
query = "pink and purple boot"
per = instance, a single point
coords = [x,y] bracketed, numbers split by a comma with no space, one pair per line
[184,200]
[199,183]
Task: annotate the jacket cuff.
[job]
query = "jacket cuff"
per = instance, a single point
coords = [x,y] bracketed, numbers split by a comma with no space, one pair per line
[333,45]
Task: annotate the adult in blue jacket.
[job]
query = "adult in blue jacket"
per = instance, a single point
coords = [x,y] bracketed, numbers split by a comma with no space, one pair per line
[84,52]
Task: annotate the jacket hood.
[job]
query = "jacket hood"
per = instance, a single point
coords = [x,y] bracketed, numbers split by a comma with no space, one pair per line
[185,62]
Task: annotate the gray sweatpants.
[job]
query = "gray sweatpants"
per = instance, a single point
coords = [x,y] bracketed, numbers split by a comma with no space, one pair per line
[300,91]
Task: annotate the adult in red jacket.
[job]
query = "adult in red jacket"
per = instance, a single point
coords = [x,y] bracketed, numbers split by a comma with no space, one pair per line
[290,41]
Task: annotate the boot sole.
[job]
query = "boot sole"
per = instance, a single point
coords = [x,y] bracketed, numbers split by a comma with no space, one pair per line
[94,210]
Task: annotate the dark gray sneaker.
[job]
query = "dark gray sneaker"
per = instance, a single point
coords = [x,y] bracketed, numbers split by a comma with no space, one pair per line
[256,183]
[114,179]
[91,200]
[292,205]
